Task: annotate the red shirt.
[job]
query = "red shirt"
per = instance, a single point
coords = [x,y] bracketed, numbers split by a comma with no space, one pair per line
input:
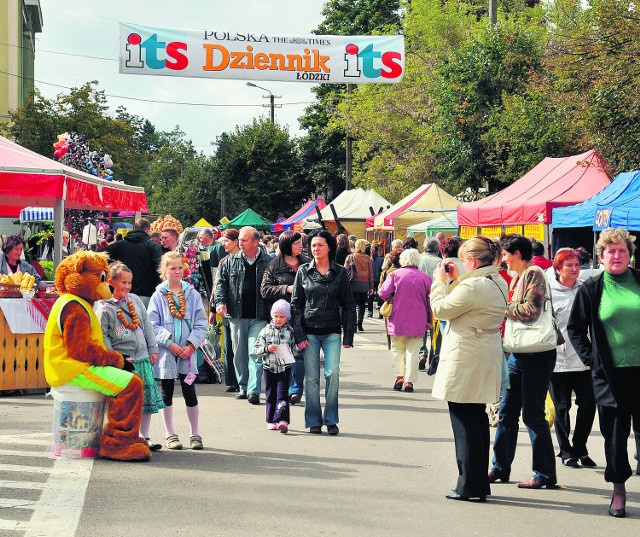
[541,261]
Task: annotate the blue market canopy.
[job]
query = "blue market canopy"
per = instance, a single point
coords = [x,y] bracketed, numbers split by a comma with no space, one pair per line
[36,214]
[617,205]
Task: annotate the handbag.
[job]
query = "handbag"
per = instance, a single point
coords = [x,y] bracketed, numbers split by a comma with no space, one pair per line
[537,336]
[387,308]
[436,343]
[351,269]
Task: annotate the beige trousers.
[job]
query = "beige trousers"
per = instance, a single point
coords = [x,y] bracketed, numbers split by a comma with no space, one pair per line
[406,352]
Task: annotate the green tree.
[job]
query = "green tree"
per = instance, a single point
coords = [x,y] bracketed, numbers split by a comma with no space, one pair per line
[594,59]
[474,80]
[257,166]
[393,125]
[84,110]
[179,180]
[323,149]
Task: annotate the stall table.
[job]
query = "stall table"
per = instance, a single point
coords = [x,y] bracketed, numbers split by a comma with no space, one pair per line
[22,324]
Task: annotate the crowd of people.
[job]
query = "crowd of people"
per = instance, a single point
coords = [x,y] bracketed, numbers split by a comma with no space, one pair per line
[287,306]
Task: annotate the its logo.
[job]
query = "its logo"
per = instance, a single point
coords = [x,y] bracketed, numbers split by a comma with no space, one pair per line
[157,54]
[362,62]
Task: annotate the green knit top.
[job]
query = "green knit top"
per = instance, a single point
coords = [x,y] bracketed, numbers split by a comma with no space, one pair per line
[619,311]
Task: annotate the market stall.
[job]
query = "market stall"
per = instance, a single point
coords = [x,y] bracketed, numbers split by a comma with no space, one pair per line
[617,205]
[525,207]
[424,203]
[248,218]
[447,224]
[295,220]
[28,179]
[350,209]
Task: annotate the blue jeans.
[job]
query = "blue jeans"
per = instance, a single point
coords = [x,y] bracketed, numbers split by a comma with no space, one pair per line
[297,376]
[529,374]
[248,365]
[330,345]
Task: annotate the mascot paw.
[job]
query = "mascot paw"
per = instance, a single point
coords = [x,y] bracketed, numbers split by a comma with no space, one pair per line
[134,451]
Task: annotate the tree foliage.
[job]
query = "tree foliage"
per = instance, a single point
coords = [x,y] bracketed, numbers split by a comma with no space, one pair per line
[323,149]
[84,110]
[257,166]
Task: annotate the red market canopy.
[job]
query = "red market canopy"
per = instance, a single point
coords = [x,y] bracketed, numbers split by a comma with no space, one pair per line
[302,213]
[28,179]
[554,182]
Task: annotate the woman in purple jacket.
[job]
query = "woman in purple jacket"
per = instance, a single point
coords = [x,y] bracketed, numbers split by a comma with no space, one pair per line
[410,318]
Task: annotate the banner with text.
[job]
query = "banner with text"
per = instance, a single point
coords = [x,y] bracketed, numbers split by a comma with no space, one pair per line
[253,56]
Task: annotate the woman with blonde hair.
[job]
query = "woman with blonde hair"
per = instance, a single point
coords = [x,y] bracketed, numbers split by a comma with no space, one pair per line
[410,317]
[469,374]
[362,282]
[603,333]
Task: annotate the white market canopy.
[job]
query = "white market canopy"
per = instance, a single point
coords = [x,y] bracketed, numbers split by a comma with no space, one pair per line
[352,208]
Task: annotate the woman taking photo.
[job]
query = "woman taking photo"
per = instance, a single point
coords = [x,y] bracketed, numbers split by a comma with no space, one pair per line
[469,374]
[529,375]
[277,284]
[410,317]
[570,374]
[323,309]
[362,282]
[603,333]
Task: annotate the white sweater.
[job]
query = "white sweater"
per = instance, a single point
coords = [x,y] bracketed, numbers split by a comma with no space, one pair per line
[563,297]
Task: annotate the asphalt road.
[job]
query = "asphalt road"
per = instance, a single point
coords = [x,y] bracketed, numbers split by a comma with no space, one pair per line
[386,473]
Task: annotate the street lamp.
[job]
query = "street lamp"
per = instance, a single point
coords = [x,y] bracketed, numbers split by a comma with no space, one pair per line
[272,98]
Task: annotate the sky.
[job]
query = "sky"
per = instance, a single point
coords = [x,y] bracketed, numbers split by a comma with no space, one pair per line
[79,43]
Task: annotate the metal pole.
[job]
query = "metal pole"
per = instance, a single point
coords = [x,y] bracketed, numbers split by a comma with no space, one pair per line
[493,12]
[272,98]
[347,174]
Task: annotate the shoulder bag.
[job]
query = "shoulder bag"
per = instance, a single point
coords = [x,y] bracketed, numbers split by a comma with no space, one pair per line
[351,268]
[537,336]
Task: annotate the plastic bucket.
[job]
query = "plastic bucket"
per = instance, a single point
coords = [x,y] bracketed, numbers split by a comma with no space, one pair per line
[78,416]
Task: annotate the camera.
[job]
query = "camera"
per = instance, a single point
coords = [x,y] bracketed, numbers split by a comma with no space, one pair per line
[447,268]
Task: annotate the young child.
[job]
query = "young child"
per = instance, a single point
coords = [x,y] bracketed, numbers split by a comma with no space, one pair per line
[180,324]
[128,330]
[277,375]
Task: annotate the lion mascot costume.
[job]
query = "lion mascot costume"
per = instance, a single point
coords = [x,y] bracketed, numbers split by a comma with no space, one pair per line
[74,353]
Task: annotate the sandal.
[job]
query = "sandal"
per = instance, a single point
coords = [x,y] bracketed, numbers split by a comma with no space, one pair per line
[172,442]
[195,442]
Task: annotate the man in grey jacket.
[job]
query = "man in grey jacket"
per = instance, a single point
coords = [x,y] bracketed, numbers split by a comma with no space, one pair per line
[238,295]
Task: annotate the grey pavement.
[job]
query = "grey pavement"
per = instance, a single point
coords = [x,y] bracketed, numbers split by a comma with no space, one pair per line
[386,473]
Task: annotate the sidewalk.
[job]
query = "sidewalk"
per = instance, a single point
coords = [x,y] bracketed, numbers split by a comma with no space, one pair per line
[386,473]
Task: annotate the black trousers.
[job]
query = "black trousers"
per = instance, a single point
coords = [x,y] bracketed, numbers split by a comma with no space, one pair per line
[230,379]
[360,299]
[563,385]
[615,423]
[470,425]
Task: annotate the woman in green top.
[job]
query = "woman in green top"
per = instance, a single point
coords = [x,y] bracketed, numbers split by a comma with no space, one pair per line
[604,331]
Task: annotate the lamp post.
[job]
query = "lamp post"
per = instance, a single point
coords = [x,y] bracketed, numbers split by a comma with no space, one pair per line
[271,98]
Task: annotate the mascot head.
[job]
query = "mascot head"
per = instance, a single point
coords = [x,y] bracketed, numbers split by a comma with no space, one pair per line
[84,274]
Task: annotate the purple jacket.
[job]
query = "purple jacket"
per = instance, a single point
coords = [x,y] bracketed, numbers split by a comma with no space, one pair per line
[411,314]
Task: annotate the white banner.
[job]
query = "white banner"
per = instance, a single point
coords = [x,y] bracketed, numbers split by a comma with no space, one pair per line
[252,56]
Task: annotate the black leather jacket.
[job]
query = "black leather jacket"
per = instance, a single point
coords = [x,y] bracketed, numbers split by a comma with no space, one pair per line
[229,286]
[323,301]
[278,277]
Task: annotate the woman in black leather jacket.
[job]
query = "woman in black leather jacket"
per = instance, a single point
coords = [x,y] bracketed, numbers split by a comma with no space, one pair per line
[277,283]
[322,309]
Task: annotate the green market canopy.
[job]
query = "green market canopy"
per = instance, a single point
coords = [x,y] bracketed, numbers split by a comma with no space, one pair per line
[248,218]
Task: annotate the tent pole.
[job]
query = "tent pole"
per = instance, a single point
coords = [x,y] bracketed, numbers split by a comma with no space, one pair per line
[58,220]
